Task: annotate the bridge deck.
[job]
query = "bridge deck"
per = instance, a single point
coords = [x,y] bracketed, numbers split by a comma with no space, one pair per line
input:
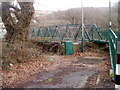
[101,41]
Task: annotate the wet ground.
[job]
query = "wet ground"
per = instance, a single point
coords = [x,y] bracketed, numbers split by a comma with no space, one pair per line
[73,72]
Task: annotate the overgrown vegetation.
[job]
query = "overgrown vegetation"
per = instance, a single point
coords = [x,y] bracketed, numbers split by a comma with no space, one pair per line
[96,47]
[18,53]
[33,49]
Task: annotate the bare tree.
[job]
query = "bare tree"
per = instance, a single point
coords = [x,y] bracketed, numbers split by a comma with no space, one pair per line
[16,19]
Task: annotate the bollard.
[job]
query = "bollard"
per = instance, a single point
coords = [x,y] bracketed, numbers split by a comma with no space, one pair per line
[117,81]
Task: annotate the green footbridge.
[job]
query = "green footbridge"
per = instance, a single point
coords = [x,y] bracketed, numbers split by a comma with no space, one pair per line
[73,33]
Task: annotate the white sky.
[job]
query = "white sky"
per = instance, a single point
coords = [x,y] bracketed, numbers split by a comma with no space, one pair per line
[55,5]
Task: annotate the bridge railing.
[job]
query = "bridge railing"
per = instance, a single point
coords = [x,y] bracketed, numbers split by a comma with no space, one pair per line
[67,32]
[94,33]
[113,42]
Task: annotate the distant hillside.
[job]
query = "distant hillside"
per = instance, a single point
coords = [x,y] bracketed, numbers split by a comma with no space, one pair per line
[99,16]
[41,12]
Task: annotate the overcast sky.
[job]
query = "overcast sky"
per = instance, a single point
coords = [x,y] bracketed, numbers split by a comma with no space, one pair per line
[55,5]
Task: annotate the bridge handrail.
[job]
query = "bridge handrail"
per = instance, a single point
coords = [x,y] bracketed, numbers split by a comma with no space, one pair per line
[98,31]
[113,42]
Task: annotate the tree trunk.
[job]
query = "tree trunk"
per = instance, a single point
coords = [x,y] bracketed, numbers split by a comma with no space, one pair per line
[17,25]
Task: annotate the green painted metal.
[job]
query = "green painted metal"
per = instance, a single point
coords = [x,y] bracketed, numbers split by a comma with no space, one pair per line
[82,44]
[69,48]
[68,32]
[118,34]
[98,31]
[54,31]
[101,41]
[113,42]
[86,33]
[105,34]
[78,32]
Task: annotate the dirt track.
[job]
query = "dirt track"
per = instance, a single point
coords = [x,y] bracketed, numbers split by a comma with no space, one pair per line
[75,71]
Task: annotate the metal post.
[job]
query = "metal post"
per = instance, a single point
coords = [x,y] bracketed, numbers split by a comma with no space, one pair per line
[109,33]
[110,21]
[117,81]
[82,28]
